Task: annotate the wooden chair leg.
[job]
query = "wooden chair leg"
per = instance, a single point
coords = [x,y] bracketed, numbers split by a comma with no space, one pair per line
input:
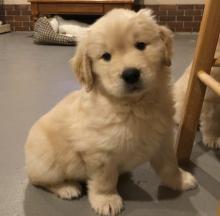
[203,60]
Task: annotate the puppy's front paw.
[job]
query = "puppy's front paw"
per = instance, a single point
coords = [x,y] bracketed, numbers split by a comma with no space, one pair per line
[187,182]
[106,204]
[67,190]
[181,181]
[211,142]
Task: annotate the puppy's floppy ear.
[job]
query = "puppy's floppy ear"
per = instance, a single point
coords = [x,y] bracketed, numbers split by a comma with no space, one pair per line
[82,66]
[166,36]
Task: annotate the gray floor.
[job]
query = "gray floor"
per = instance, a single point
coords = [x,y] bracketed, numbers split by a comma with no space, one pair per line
[32,79]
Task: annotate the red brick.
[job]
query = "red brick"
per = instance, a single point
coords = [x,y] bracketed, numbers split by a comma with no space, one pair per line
[191,24]
[25,12]
[13,24]
[26,24]
[22,18]
[9,7]
[21,7]
[167,7]
[153,7]
[10,12]
[16,24]
[184,18]
[8,22]
[185,7]
[177,17]
[197,18]
[162,23]
[176,13]
[184,29]
[193,12]
[199,7]
[167,18]
[172,28]
[2,12]
[2,18]
[9,18]
[176,24]
[160,13]
[196,29]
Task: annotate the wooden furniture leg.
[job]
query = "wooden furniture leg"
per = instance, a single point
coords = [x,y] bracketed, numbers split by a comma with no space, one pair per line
[34,11]
[203,60]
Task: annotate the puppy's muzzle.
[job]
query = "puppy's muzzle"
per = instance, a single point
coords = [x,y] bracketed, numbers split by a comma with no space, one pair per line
[131,76]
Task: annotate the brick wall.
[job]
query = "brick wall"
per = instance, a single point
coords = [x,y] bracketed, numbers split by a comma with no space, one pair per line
[180,18]
[18,16]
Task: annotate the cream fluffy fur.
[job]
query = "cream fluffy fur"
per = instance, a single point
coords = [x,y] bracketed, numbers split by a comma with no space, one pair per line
[106,128]
[210,115]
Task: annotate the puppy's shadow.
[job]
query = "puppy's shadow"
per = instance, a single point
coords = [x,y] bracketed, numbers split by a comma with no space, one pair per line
[165,193]
[217,154]
[39,202]
[131,191]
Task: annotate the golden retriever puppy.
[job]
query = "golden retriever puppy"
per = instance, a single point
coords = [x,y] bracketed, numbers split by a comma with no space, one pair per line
[122,116]
[210,115]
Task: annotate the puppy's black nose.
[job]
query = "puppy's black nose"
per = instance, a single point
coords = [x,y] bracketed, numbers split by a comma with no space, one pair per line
[131,75]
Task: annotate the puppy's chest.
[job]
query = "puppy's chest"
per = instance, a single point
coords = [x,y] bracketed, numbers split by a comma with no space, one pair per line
[128,133]
[133,141]
[130,138]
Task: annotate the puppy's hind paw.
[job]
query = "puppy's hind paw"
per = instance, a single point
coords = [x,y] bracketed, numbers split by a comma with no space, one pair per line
[106,204]
[67,190]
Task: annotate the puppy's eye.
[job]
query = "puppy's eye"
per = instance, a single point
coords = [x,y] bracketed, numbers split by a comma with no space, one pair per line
[106,56]
[140,45]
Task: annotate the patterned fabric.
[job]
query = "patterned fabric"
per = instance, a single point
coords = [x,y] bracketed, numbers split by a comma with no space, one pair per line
[44,34]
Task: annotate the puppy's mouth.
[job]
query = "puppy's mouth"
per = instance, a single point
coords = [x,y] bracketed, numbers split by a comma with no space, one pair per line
[133,88]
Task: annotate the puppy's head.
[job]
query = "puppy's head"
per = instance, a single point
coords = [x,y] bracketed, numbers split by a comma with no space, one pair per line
[123,54]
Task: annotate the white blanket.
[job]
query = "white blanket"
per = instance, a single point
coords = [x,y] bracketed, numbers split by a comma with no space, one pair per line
[69,27]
